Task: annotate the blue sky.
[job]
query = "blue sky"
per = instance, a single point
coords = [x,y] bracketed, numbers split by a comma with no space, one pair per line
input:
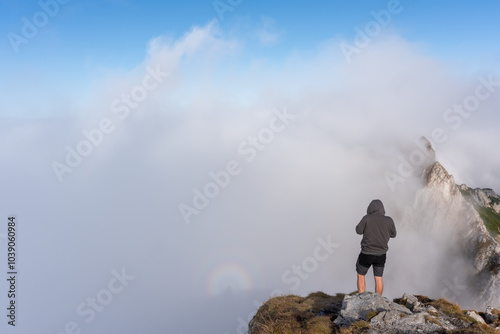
[85,39]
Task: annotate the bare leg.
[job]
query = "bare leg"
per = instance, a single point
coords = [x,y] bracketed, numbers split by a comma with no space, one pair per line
[361,283]
[379,285]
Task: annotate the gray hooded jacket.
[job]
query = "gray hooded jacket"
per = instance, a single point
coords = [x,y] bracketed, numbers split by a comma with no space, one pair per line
[376,229]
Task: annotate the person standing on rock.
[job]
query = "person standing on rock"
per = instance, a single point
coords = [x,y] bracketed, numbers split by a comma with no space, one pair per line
[377,229]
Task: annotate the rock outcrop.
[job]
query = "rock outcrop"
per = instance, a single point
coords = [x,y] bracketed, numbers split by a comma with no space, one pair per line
[410,314]
[454,216]
[463,222]
[485,197]
[369,313]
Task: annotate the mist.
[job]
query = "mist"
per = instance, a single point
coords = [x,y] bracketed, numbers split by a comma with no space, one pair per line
[206,186]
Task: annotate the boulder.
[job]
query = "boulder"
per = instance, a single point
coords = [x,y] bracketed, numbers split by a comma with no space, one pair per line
[474,315]
[356,307]
[488,316]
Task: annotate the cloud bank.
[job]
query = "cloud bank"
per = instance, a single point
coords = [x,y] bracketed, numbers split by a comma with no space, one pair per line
[271,157]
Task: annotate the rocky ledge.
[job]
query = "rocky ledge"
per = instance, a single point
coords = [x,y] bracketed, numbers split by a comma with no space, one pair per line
[369,313]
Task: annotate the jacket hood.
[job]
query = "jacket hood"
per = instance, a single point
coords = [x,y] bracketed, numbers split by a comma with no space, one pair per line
[376,206]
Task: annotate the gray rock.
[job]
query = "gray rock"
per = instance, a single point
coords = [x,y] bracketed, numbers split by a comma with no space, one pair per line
[475,316]
[412,303]
[480,197]
[431,310]
[387,317]
[496,207]
[489,192]
[397,323]
[441,209]
[400,308]
[488,316]
[394,318]
[356,307]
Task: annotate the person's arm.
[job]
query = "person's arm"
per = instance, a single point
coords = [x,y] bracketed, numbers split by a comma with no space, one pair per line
[393,229]
[360,228]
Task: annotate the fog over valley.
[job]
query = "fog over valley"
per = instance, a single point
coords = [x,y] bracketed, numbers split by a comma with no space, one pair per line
[177,193]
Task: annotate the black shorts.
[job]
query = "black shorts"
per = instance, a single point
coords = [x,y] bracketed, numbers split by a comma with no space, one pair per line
[365,261]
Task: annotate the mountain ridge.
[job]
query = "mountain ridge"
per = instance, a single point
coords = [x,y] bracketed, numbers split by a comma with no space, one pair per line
[457,215]
[319,313]
[468,219]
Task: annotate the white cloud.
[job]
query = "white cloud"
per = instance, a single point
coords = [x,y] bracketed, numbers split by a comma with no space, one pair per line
[268,34]
[315,178]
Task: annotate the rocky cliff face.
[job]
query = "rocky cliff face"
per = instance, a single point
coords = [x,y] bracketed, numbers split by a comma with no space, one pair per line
[478,246]
[451,214]
[463,222]
[485,198]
